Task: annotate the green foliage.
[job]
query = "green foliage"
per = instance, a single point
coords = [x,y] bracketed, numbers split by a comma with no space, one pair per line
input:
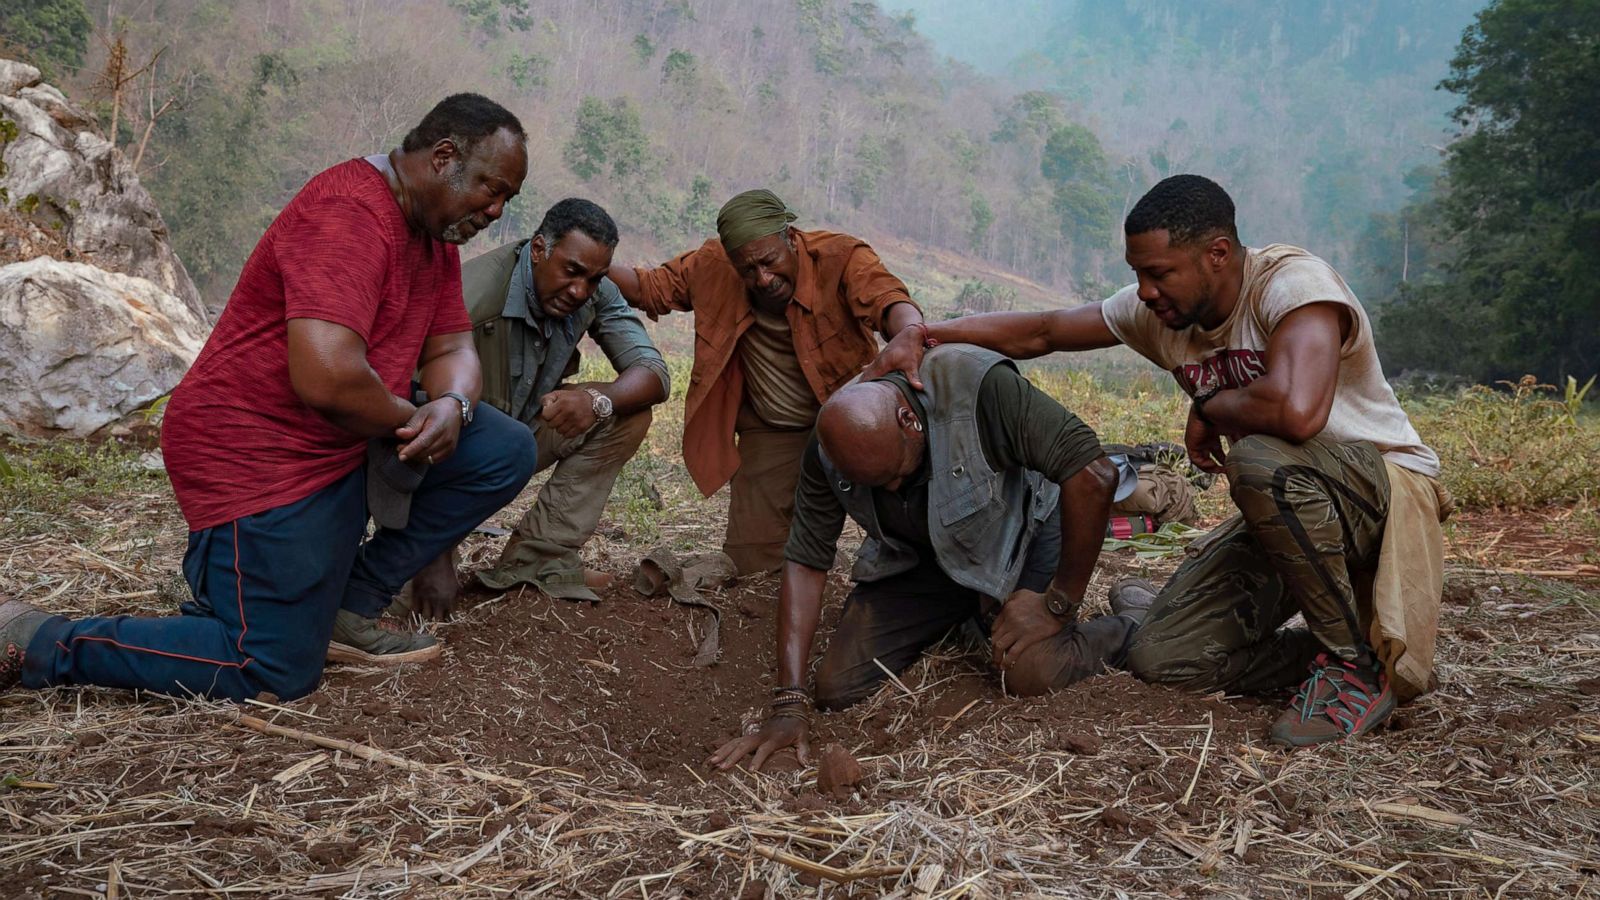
[222,191]
[1034,114]
[1075,166]
[982,221]
[979,296]
[48,480]
[643,47]
[868,170]
[1514,448]
[494,17]
[679,69]
[828,47]
[527,71]
[1520,207]
[608,137]
[8,133]
[54,32]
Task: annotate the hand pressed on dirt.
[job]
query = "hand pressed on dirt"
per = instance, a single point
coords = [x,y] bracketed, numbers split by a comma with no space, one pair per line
[435,590]
[1024,620]
[775,735]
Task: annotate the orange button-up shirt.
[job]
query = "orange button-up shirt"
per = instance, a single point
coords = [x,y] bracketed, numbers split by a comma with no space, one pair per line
[840,296]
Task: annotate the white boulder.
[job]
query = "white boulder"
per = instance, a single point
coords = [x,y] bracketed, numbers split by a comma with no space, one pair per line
[56,169]
[81,348]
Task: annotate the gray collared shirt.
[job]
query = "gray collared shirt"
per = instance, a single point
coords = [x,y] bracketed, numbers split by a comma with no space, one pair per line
[543,350]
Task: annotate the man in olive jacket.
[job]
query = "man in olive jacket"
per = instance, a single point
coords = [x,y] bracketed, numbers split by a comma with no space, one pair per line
[531,302]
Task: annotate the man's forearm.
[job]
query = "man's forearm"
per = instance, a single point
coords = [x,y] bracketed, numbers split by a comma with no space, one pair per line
[1085,506]
[799,610]
[456,371]
[1263,407]
[358,402]
[900,316]
[1019,335]
[635,390]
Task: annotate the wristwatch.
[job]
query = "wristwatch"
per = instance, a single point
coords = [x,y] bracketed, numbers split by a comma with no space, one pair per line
[1061,604]
[602,404]
[466,405]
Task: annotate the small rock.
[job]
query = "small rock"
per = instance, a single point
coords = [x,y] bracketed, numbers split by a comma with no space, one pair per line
[1114,817]
[1081,744]
[718,821]
[837,772]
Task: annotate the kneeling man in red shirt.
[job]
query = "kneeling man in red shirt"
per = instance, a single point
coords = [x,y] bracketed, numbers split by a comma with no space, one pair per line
[300,417]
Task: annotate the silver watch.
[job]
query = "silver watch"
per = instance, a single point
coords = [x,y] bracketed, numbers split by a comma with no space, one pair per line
[602,404]
[466,405]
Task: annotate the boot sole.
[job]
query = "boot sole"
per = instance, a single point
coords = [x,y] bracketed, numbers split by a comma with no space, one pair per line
[344,653]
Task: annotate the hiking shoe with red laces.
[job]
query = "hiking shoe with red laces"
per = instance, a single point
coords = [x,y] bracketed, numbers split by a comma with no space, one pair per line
[18,623]
[1339,700]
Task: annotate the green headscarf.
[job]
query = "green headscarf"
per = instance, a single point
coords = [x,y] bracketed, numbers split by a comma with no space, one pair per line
[751,215]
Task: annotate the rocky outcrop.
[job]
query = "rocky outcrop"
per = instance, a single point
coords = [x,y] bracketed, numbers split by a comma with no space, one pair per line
[71,183]
[81,348]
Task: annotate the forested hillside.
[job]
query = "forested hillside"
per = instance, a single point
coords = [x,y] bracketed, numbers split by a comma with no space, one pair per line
[1310,111]
[658,108]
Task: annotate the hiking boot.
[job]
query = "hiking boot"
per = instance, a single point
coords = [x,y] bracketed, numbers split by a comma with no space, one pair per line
[18,623]
[1339,700]
[358,639]
[1132,597]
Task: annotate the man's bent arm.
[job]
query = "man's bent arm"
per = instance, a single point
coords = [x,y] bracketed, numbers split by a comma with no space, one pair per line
[799,610]
[329,373]
[1293,399]
[1085,507]
[449,364]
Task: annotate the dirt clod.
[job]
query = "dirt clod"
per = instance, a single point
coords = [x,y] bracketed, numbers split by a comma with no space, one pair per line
[837,772]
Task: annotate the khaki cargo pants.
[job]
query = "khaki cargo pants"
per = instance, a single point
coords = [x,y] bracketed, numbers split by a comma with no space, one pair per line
[1310,527]
[545,549]
[761,495]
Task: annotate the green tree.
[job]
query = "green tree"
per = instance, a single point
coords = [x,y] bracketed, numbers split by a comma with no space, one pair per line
[1522,201]
[1075,166]
[608,136]
[220,192]
[54,32]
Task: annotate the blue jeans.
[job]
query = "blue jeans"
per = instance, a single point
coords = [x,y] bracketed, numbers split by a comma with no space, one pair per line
[266,587]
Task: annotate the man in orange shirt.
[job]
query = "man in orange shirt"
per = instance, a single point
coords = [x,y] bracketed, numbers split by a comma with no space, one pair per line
[783,318]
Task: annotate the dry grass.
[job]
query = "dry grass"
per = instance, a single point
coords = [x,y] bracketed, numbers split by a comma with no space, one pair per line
[1487,789]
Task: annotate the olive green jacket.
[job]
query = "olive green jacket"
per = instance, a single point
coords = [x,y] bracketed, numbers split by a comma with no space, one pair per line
[526,354]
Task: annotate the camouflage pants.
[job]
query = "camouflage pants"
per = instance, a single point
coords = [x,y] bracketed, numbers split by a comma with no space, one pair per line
[1310,526]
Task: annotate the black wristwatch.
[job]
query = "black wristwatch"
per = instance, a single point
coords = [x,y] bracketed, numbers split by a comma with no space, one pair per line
[1201,399]
[466,405]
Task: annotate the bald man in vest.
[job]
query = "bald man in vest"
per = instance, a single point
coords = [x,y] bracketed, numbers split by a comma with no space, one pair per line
[974,490]
[783,318]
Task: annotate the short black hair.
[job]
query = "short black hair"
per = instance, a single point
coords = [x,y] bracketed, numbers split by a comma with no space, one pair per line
[463,118]
[580,214]
[1190,208]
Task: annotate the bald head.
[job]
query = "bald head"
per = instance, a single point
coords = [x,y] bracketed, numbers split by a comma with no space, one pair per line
[861,430]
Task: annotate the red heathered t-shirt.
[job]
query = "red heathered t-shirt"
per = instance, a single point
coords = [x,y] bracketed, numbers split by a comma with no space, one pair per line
[236,438]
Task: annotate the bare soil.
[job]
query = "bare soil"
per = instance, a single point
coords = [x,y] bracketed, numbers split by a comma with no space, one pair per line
[557,750]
